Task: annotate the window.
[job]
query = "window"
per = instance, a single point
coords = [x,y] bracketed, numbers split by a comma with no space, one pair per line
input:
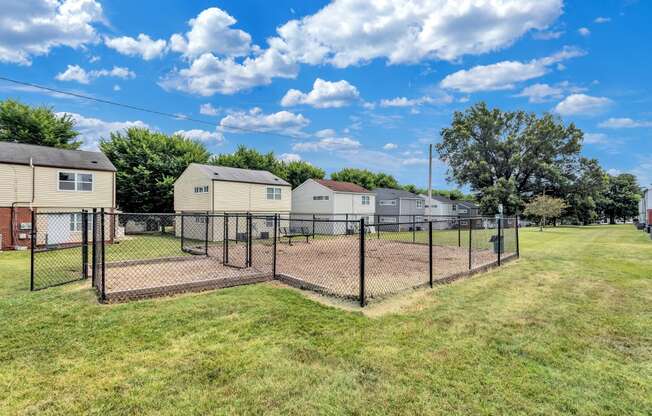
[387,219]
[419,203]
[454,207]
[200,220]
[75,182]
[269,222]
[320,198]
[274,193]
[201,189]
[365,199]
[75,222]
[391,202]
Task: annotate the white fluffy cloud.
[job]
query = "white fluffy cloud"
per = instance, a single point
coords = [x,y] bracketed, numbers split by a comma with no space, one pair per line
[93,129]
[255,120]
[504,75]
[209,74]
[584,31]
[327,144]
[414,102]
[595,138]
[33,27]
[208,110]
[351,32]
[582,104]
[79,74]
[324,94]
[601,19]
[541,93]
[290,157]
[144,46]
[213,137]
[211,31]
[624,123]
[390,146]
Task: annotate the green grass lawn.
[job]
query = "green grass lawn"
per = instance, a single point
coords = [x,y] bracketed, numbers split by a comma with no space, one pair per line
[565,330]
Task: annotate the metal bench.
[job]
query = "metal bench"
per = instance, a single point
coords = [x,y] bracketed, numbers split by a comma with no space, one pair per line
[299,232]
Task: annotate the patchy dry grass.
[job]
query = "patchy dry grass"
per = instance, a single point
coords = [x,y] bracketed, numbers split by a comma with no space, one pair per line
[565,330]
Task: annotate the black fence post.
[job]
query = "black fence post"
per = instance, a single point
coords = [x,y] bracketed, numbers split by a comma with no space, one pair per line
[274,247]
[182,230]
[362,258]
[470,243]
[313,226]
[430,250]
[250,239]
[32,247]
[94,255]
[206,236]
[103,255]
[459,232]
[500,245]
[414,229]
[376,222]
[84,244]
[518,249]
[237,227]
[224,238]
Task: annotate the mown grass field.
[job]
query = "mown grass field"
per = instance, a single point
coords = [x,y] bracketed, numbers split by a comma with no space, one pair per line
[565,330]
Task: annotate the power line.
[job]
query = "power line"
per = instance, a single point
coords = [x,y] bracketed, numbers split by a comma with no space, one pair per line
[146,110]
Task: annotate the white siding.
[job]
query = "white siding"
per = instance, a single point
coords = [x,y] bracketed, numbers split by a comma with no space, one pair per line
[185,198]
[15,184]
[303,202]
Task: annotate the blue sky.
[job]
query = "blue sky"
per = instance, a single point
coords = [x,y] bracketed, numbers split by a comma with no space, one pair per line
[341,84]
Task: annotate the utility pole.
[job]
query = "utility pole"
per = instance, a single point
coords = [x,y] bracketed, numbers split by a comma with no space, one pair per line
[430,182]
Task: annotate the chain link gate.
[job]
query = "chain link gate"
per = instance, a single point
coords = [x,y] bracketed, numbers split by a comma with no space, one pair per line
[237,241]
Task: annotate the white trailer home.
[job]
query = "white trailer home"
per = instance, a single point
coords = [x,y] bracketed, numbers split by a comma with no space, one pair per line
[207,189]
[324,199]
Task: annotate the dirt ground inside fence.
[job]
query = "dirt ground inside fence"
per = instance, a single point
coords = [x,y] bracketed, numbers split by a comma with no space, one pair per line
[332,266]
[326,265]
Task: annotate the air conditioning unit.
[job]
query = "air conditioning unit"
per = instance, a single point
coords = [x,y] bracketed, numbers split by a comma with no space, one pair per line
[23,236]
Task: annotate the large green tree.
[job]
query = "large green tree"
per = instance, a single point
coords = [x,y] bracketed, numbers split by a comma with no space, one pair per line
[148,163]
[621,196]
[507,157]
[544,208]
[365,178]
[36,125]
[584,191]
[298,171]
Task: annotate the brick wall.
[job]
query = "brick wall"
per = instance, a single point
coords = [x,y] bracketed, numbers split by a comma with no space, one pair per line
[22,214]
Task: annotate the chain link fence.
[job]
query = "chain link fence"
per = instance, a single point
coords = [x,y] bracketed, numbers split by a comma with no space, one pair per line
[132,256]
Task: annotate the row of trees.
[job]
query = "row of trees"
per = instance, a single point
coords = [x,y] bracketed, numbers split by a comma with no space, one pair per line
[511,157]
[507,158]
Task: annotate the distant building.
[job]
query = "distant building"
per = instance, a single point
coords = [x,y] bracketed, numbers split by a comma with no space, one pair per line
[440,206]
[394,206]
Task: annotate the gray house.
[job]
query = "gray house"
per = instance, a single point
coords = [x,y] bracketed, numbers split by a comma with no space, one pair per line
[394,206]
[467,209]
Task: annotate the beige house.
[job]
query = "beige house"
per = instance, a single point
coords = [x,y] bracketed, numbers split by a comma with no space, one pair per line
[57,181]
[220,189]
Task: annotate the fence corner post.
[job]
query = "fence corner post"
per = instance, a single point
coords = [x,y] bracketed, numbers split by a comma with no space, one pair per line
[84,242]
[32,244]
[275,246]
[518,248]
[103,255]
[500,246]
[362,265]
[470,243]
[430,250]
[182,230]
[206,236]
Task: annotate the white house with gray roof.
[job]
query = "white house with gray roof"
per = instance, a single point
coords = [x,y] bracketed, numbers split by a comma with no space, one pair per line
[221,189]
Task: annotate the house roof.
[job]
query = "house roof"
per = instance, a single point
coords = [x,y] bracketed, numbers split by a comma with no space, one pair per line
[224,173]
[21,154]
[439,198]
[338,186]
[468,204]
[395,193]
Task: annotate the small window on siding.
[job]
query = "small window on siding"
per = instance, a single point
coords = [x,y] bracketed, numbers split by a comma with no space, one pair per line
[365,199]
[419,203]
[320,198]
[269,222]
[201,189]
[77,182]
[387,219]
[274,194]
[75,222]
[391,202]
